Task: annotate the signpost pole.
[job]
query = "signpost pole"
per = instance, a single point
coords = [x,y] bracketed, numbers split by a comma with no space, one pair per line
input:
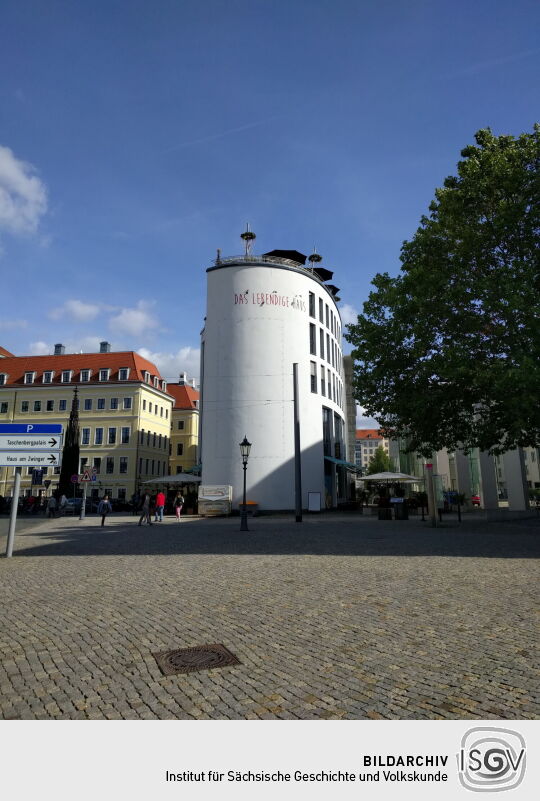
[83,505]
[13,513]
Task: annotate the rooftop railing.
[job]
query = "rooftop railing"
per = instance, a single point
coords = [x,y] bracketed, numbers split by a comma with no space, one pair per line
[251,259]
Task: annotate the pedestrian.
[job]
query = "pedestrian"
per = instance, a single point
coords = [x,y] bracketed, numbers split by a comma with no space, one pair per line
[104,507]
[178,503]
[63,505]
[145,511]
[51,507]
[160,505]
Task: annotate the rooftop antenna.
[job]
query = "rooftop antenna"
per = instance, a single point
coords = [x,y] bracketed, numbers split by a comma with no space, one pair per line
[248,237]
[315,258]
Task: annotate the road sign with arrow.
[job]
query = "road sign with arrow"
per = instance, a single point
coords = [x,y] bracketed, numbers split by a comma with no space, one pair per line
[29,444]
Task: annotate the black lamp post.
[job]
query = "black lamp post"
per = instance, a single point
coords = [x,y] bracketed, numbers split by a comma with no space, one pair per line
[245,447]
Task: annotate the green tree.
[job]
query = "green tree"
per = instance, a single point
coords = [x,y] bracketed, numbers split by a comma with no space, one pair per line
[448,353]
[379,462]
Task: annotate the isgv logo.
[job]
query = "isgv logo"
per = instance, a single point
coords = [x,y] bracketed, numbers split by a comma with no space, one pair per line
[491,759]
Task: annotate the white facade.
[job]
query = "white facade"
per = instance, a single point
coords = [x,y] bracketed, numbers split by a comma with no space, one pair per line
[263,315]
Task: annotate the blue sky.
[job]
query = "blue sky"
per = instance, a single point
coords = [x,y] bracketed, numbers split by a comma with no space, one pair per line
[137,137]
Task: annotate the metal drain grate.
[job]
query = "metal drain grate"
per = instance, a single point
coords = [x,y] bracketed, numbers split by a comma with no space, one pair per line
[189,660]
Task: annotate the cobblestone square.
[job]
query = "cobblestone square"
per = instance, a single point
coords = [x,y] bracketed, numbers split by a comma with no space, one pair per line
[342,616]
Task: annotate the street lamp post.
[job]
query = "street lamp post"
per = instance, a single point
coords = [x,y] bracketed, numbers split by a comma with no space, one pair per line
[245,447]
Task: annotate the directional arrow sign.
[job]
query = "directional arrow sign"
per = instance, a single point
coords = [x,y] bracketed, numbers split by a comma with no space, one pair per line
[25,442]
[28,457]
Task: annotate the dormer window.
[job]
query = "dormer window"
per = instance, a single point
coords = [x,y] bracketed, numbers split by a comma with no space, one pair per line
[146,377]
[48,376]
[164,386]
[104,374]
[29,377]
[66,376]
[123,373]
[3,379]
[156,382]
[85,375]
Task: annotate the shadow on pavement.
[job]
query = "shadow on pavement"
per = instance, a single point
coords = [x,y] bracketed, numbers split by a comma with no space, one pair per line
[324,536]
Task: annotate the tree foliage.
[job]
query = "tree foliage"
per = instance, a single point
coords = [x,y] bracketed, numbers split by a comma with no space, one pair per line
[379,462]
[448,353]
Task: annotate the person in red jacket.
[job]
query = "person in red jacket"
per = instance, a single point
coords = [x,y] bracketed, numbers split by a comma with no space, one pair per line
[160,505]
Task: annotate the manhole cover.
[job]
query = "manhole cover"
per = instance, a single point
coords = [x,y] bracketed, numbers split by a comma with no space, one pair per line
[189,660]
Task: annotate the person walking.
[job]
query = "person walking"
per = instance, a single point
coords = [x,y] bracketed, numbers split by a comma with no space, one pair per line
[63,505]
[104,508]
[160,505]
[51,506]
[145,511]
[178,503]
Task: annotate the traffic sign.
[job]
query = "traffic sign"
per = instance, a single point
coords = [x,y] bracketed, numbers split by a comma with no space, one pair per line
[22,458]
[31,428]
[88,476]
[74,478]
[24,441]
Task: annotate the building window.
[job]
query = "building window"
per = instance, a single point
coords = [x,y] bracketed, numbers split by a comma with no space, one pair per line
[85,439]
[114,403]
[128,403]
[29,378]
[62,405]
[85,376]
[3,408]
[167,413]
[323,390]
[3,379]
[84,462]
[109,465]
[333,349]
[97,464]
[98,436]
[158,465]
[37,406]
[146,380]
[66,376]
[180,449]
[153,462]
[178,469]
[123,373]
[327,310]
[101,403]
[123,464]
[156,382]
[154,441]
[311,304]
[161,411]
[57,471]
[164,386]
[180,425]
[312,346]
[142,436]
[125,435]
[50,406]
[112,436]
[156,409]
[321,310]
[147,462]
[159,441]
[104,374]
[48,377]
[313,376]
[144,405]
[121,493]
[140,465]
[88,404]
[150,408]
[147,439]
[24,406]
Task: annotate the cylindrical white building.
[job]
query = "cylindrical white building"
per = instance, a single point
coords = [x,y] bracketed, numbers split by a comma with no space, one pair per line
[264,313]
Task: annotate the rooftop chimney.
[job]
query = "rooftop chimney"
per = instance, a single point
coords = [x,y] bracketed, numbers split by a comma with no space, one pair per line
[182,379]
[59,349]
[104,347]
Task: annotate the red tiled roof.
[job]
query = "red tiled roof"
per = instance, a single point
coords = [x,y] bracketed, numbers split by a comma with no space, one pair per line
[16,366]
[184,396]
[369,433]
[4,352]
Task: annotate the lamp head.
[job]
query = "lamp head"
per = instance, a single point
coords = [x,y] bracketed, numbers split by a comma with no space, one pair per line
[245,447]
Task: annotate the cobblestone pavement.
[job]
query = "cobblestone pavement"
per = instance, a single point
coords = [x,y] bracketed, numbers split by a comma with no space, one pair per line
[339,617]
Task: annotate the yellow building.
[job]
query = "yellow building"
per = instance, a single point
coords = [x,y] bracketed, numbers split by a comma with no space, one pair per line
[125,414]
[184,452]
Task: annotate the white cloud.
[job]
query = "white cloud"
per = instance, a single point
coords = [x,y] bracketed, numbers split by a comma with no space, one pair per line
[134,321]
[7,325]
[40,348]
[76,309]
[363,421]
[185,360]
[348,314]
[23,196]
